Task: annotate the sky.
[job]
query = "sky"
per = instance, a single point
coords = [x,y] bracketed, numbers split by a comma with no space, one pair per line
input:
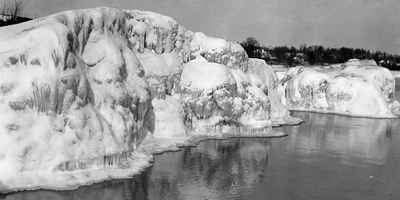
[371,24]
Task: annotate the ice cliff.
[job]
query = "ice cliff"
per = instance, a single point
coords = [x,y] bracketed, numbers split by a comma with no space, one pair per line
[356,88]
[88,95]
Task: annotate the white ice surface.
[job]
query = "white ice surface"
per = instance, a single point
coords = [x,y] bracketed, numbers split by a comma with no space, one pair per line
[202,75]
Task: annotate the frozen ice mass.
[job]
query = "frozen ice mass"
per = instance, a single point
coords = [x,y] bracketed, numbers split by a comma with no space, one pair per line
[356,88]
[89,95]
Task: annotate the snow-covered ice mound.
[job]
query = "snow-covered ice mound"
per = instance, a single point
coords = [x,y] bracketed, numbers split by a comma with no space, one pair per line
[356,88]
[72,98]
[211,95]
[88,95]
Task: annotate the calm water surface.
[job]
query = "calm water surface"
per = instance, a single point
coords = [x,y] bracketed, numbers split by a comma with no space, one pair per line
[327,157]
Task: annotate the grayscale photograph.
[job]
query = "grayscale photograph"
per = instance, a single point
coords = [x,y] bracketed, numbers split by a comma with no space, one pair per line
[199,100]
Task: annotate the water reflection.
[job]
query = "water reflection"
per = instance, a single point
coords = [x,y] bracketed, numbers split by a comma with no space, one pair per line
[223,169]
[214,170]
[353,140]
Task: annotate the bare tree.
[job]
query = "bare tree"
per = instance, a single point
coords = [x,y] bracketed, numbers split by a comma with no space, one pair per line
[11,9]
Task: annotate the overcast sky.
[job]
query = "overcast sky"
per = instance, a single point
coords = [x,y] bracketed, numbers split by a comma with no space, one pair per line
[372,24]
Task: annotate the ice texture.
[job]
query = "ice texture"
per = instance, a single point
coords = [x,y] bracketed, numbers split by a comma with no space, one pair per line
[264,77]
[71,90]
[355,88]
[88,95]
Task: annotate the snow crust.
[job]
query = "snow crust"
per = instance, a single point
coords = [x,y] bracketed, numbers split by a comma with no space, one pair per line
[202,75]
[356,88]
[89,95]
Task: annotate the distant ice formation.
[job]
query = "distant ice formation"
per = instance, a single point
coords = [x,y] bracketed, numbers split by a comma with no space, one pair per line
[355,88]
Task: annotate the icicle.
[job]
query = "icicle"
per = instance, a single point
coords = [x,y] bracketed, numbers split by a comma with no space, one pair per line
[118,160]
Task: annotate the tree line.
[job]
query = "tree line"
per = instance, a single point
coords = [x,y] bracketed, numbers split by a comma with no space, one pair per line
[316,55]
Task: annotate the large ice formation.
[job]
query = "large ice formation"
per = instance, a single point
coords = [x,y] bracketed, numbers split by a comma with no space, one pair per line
[356,88]
[87,95]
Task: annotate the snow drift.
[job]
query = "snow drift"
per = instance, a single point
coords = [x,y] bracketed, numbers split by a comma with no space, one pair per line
[356,88]
[88,95]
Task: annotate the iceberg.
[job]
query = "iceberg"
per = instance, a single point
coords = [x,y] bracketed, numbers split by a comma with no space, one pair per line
[89,95]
